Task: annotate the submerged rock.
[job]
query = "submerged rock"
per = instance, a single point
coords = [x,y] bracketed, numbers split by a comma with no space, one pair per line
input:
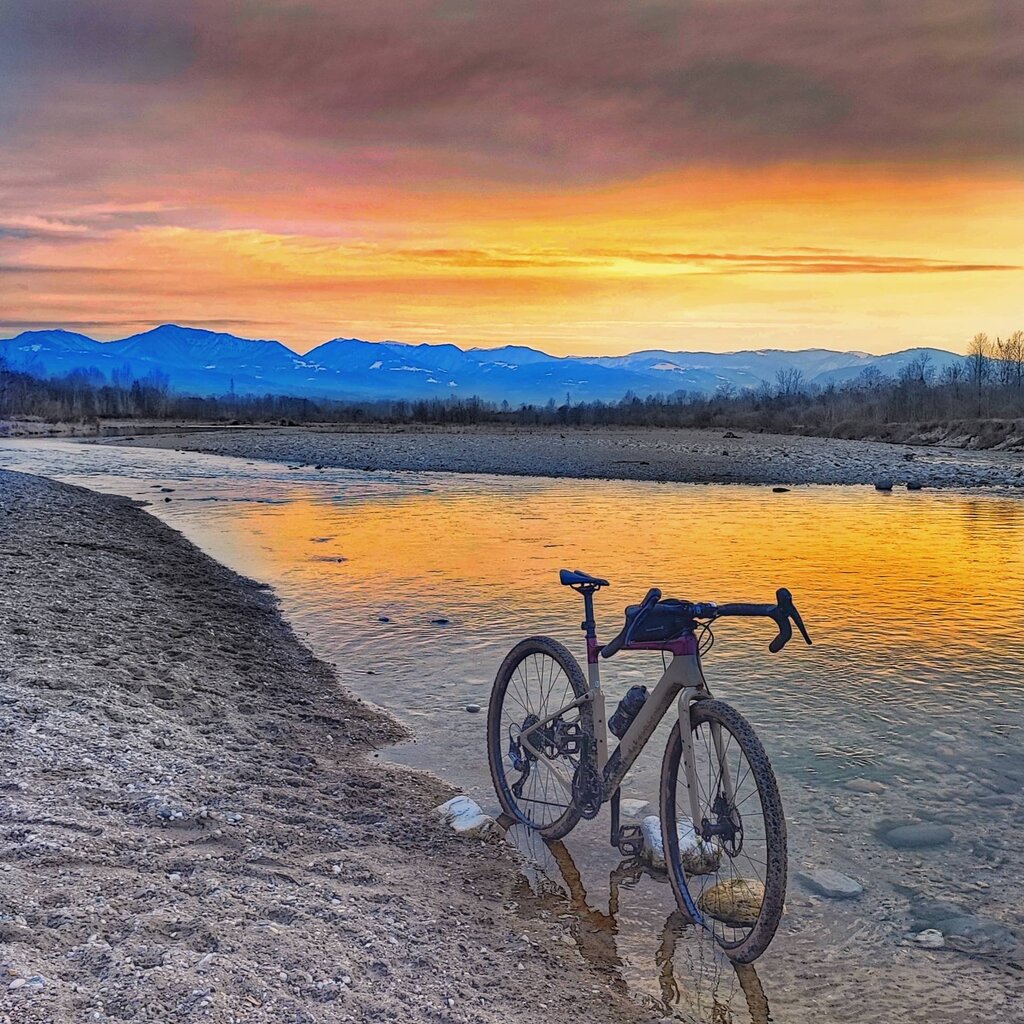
[827,882]
[865,786]
[466,816]
[697,856]
[736,901]
[917,837]
[981,934]
[926,912]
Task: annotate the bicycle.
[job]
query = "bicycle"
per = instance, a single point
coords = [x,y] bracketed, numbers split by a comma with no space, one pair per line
[551,766]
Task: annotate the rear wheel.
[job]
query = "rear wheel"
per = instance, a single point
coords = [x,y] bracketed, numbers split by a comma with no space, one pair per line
[533,773]
[727,868]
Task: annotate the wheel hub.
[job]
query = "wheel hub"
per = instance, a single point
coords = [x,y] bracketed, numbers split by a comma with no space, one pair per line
[727,826]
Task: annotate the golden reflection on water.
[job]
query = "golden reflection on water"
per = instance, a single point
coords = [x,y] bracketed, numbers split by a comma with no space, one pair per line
[924,573]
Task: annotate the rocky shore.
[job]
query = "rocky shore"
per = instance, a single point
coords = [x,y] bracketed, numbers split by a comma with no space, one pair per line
[689,456]
[194,825]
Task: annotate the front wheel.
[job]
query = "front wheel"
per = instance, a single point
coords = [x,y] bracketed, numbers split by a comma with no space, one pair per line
[533,764]
[728,867]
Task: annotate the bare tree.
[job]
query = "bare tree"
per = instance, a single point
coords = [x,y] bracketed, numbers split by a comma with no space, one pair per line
[952,378]
[789,383]
[1013,356]
[870,378]
[979,364]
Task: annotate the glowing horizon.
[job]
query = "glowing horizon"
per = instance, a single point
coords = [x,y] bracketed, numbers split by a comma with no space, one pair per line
[584,179]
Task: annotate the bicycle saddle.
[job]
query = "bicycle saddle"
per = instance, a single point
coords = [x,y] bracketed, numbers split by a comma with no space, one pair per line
[575,578]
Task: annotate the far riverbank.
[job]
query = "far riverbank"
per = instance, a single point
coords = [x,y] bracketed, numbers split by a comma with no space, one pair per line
[684,456]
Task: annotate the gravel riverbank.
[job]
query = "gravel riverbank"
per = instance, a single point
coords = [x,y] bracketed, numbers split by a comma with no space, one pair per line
[690,456]
[193,825]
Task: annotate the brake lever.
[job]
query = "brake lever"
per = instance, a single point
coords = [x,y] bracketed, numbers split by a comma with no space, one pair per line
[795,615]
[784,611]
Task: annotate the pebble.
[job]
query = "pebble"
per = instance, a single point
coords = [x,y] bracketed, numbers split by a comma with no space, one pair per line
[930,938]
[17,983]
[473,708]
[884,484]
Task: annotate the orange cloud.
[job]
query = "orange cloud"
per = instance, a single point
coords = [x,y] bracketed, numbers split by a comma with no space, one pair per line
[588,175]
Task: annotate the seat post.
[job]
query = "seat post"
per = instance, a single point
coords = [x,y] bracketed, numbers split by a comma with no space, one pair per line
[589,625]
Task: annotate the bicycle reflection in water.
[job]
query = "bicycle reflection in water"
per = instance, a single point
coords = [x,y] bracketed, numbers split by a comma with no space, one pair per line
[706,986]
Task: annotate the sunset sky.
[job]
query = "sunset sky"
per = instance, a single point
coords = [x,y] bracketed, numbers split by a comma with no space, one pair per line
[584,176]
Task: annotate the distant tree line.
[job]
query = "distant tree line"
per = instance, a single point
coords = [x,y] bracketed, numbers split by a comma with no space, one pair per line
[983,392]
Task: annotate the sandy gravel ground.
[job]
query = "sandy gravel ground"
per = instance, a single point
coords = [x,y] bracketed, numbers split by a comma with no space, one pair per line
[694,456]
[192,822]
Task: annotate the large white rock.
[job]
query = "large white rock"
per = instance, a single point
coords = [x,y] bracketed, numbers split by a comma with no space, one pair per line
[698,857]
[466,816]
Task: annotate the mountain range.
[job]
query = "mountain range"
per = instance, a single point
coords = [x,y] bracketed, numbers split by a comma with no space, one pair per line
[210,363]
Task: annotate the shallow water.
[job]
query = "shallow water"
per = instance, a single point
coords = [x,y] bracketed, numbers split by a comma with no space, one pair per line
[913,601]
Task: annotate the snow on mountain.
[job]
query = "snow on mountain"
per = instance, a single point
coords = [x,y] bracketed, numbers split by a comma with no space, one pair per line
[209,362]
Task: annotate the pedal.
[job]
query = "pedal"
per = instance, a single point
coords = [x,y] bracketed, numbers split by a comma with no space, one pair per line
[630,840]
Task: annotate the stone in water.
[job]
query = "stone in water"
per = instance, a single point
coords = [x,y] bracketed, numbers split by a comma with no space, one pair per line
[697,856]
[737,901]
[918,837]
[833,884]
[865,786]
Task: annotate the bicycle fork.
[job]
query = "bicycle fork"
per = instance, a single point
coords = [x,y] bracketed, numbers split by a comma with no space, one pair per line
[686,700]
